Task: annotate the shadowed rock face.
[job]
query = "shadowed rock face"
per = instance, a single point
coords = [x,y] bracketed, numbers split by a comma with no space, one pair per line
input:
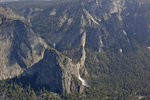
[55,71]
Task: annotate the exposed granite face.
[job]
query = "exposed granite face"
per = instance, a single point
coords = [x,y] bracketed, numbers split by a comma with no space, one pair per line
[10,14]
[105,22]
[25,54]
[20,46]
[57,72]
[92,24]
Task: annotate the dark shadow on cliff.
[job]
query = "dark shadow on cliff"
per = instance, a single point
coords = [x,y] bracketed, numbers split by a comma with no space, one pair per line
[44,74]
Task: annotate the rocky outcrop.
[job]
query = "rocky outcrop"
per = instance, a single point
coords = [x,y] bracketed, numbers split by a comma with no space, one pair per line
[9,14]
[81,63]
[20,46]
[97,25]
[57,72]
[26,55]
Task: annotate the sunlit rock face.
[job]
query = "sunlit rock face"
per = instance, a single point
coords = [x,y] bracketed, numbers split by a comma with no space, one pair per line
[20,46]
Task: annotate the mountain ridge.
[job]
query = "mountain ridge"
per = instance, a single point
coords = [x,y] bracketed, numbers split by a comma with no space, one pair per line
[28,50]
[94,47]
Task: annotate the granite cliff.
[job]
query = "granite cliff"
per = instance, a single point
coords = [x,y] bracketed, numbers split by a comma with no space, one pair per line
[20,46]
[69,45]
[24,53]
